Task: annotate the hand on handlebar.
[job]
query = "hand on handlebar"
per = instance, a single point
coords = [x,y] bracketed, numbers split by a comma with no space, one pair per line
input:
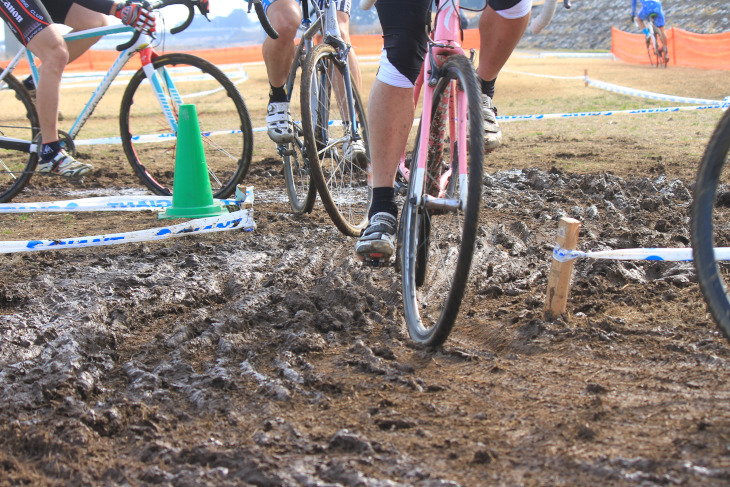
[137,15]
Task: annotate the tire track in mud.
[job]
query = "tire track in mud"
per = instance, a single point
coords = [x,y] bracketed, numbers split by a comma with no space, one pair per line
[275,358]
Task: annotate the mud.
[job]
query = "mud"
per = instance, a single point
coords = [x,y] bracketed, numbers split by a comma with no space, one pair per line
[274,358]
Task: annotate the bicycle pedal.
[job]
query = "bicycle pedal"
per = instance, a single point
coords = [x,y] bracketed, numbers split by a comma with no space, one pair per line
[375,261]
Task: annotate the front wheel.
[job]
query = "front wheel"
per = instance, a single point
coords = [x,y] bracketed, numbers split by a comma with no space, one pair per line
[710,224]
[148,123]
[336,147]
[441,212]
[300,189]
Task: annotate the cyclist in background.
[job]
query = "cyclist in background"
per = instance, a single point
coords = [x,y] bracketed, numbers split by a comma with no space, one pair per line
[649,7]
[391,111]
[286,17]
[33,26]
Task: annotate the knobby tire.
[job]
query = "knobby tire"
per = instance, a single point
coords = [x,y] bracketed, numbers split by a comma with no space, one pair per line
[436,248]
[710,224]
[343,183]
[224,122]
[19,120]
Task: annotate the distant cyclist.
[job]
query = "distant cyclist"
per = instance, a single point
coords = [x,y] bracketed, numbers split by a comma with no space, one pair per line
[648,8]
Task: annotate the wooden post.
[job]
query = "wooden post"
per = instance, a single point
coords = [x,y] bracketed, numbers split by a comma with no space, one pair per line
[556,299]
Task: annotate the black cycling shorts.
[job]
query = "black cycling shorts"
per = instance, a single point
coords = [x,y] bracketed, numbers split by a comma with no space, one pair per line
[404,24]
[24,19]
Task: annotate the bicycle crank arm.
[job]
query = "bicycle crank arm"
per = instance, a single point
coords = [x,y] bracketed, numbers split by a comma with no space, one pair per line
[444,204]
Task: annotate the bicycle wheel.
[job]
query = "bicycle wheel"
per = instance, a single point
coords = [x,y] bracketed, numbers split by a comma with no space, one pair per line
[438,236]
[225,126]
[710,224]
[297,173]
[341,176]
[18,120]
[659,50]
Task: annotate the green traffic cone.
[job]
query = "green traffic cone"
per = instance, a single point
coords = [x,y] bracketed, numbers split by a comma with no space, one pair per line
[192,196]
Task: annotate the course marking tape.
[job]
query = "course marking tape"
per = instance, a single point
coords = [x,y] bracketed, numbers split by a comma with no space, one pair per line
[641,111]
[102,203]
[535,75]
[648,94]
[625,90]
[665,254]
[241,220]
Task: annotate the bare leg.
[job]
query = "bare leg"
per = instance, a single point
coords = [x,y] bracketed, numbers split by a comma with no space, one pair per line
[344,22]
[50,47]
[390,118]
[285,17]
[498,38]
[81,18]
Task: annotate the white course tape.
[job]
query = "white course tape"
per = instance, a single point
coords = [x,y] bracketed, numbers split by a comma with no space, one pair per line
[670,254]
[577,55]
[542,75]
[103,203]
[641,111]
[648,94]
[241,220]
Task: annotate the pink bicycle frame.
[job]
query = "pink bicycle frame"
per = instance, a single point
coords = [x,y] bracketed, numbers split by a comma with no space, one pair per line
[444,43]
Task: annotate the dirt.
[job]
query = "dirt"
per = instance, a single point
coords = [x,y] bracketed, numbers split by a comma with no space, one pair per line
[274,358]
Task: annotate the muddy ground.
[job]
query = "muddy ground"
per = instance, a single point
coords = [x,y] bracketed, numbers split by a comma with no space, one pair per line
[274,358]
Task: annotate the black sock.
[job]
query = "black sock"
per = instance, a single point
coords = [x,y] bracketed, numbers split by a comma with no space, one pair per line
[277,94]
[383,201]
[50,150]
[488,87]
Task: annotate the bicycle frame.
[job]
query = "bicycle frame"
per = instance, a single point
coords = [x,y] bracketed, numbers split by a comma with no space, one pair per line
[444,43]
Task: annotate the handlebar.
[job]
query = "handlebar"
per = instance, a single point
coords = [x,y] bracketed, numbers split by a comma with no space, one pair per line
[160,4]
[261,14]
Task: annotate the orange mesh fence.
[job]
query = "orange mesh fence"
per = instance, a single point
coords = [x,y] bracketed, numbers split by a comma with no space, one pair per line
[100,60]
[711,51]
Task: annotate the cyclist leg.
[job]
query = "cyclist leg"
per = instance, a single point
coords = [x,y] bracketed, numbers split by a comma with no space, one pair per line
[354,150]
[343,19]
[82,18]
[390,117]
[50,47]
[285,16]
[501,26]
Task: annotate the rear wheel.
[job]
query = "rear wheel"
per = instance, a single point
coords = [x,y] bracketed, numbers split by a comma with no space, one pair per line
[225,127]
[438,235]
[18,120]
[341,174]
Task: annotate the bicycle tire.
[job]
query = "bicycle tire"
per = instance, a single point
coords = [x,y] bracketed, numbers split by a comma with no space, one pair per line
[437,247]
[342,181]
[710,224]
[300,189]
[659,50]
[19,120]
[225,125]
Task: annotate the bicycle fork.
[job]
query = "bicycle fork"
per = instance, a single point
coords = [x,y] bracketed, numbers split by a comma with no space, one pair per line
[454,103]
[156,79]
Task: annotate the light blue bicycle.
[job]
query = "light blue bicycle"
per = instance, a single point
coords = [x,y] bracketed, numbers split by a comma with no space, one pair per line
[147,117]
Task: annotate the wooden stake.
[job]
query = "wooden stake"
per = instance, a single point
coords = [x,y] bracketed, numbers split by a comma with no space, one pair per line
[560,272]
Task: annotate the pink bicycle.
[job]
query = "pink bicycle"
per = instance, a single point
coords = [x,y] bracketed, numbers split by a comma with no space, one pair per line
[438,225]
